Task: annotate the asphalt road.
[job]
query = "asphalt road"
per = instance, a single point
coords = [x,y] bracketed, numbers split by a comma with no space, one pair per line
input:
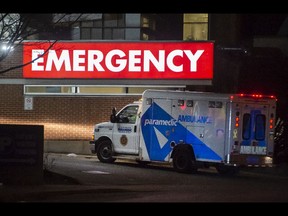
[90,181]
[126,181]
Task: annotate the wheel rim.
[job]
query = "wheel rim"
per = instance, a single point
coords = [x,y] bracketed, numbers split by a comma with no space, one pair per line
[106,152]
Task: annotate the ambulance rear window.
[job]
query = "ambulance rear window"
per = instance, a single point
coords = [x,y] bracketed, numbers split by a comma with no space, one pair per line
[260,127]
[246,126]
[259,130]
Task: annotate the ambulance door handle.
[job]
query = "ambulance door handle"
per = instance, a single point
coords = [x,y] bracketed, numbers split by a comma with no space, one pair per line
[135,129]
[201,135]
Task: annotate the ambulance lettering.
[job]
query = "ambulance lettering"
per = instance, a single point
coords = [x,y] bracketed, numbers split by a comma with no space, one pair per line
[193,118]
[157,140]
[171,122]
[124,129]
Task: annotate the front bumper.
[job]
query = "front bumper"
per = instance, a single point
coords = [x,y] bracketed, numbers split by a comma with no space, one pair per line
[92,146]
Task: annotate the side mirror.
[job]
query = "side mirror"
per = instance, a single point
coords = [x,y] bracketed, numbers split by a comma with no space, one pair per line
[113,117]
[114,111]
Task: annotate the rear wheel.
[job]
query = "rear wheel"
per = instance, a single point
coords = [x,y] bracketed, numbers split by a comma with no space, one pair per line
[105,152]
[183,161]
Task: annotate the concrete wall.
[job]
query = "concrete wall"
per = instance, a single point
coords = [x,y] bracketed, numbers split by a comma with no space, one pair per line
[76,147]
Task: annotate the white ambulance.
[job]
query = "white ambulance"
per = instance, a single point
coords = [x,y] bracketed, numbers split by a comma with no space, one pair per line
[190,130]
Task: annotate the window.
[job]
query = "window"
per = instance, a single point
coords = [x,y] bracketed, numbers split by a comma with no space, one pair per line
[218,104]
[189,103]
[260,127]
[114,27]
[215,104]
[133,20]
[246,126]
[128,115]
[90,90]
[180,102]
[195,27]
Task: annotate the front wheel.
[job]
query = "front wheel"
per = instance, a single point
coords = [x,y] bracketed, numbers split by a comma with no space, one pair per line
[105,152]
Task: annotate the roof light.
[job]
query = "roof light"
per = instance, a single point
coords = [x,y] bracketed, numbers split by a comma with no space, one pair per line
[256,96]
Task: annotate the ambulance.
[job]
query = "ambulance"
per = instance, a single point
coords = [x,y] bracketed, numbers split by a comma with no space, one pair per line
[190,130]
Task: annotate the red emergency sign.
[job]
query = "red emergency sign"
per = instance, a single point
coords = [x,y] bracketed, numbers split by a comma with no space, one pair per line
[119,60]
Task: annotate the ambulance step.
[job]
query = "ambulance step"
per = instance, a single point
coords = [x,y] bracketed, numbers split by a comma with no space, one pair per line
[127,157]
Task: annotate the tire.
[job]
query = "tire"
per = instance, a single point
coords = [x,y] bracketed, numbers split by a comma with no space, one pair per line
[105,152]
[184,162]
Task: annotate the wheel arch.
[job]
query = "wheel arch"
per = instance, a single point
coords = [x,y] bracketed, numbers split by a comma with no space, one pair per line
[187,147]
[100,140]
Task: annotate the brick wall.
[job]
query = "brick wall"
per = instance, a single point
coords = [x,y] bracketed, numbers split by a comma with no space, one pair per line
[64,118]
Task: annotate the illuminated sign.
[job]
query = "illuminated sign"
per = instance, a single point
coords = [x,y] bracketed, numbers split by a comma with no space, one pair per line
[119,60]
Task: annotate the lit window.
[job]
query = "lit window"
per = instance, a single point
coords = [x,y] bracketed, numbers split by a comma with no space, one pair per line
[195,27]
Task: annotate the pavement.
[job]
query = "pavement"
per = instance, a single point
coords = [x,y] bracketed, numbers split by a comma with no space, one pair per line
[61,190]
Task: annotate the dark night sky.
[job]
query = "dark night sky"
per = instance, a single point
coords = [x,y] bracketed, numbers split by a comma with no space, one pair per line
[264,24]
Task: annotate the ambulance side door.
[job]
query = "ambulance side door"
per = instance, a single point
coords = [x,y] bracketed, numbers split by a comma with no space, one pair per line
[125,134]
[158,145]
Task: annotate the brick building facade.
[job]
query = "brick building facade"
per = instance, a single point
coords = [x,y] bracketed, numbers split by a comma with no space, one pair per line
[65,118]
